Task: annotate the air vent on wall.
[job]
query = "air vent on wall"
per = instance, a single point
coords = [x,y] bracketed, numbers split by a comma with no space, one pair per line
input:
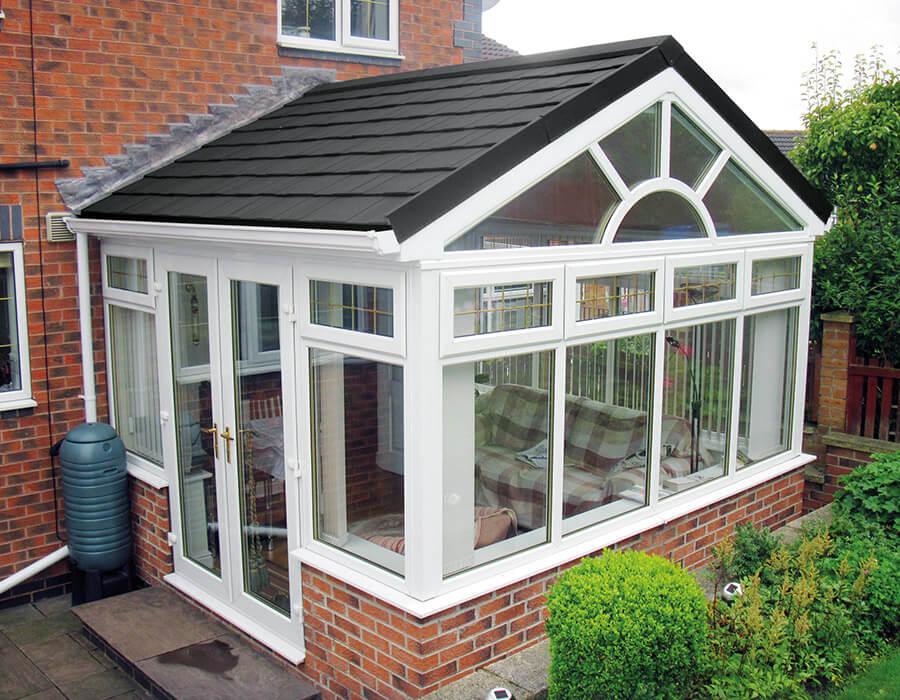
[57,231]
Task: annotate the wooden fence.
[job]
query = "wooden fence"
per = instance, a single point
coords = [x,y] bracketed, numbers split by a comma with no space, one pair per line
[873,395]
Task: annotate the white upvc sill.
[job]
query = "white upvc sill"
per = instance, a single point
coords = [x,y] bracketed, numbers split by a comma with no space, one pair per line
[297,43]
[14,404]
[490,577]
[152,476]
[295,654]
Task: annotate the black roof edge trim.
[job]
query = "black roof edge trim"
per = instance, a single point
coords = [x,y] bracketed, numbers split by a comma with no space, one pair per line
[418,212]
[621,48]
[753,135]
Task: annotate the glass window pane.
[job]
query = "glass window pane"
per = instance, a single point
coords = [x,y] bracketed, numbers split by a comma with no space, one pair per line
[496,457]
[767,385]
[660,216]
[308,19]
[608,402]
[615,295]
[267,315]
[369,19]
[739,205]
[129,274]
[570,206]
[358,440]
[10,371]
[697,372]
[701,284]
[692,150]
[634,148]
[135,381]
[775,275]
[501,307]
[353,307]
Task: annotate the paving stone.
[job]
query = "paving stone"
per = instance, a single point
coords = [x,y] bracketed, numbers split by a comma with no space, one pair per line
[476,686]
[164,621]
[54,605]
[226,667]
[10,617]
[19,677]
[49,694]
[62,659]
[528,668]
[99,686]
[49,627]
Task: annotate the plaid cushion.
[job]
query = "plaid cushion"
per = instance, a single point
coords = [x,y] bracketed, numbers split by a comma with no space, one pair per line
[599,435]
[519,414]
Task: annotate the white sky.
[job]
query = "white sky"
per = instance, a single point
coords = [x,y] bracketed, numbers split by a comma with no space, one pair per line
[756,50]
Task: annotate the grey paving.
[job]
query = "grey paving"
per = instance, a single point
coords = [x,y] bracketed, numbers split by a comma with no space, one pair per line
[44,655]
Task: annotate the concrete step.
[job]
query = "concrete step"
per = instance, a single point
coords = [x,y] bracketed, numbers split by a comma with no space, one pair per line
[175,650]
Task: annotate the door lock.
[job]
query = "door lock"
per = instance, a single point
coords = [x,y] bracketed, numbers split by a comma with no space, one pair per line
[228,438]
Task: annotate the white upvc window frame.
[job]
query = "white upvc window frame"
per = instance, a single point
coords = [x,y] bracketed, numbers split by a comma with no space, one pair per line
[344,41]
[501,341]
[680,314]
[753,255]
[21,397]
[352,340]
[575,328]
[140,467]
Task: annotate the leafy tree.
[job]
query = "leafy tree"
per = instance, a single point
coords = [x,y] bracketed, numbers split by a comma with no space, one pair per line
[852,152]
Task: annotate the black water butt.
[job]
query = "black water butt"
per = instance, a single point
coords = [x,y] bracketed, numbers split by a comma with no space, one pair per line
[98,511]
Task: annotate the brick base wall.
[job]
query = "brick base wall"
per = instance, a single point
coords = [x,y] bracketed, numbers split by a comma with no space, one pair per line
[359,647]
[150,527]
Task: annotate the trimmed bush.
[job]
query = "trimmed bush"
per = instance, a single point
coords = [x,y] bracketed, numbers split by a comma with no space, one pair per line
[625,625]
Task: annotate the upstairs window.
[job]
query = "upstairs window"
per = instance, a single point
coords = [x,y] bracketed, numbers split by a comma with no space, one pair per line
[356,26]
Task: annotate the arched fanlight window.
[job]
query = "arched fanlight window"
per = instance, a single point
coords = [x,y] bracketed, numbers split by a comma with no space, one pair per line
[660,216]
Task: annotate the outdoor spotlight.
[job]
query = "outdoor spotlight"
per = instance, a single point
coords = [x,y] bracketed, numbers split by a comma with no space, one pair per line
[731,591]
[499,694]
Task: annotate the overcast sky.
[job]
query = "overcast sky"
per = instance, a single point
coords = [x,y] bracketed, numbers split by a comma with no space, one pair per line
[757,50]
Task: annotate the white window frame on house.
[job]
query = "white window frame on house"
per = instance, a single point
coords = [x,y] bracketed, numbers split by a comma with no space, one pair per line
[678,314]
[146,470]
[21,397]
[344,41]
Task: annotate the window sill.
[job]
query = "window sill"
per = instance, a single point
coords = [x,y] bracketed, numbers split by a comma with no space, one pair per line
[299,49]
[152,476]
[14,404]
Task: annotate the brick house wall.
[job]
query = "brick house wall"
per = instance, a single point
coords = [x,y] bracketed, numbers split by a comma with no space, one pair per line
[110,74]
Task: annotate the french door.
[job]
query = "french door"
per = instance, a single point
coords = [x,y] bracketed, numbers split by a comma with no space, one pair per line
[231,446]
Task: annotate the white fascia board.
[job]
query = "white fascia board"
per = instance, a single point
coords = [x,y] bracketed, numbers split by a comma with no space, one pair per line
[378,242]
[427,245]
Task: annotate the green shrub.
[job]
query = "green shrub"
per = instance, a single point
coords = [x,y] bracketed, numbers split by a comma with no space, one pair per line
[752,548]
[871,494]
[625,625]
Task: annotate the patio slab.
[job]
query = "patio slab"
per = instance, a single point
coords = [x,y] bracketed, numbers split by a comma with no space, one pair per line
[175,650]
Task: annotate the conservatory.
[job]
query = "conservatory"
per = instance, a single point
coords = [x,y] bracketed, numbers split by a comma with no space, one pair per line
[434,334]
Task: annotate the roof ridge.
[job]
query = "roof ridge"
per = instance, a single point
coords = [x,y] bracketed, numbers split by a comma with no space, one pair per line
[620,48]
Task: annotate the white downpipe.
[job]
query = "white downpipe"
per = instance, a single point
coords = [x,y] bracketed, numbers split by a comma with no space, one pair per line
[87,332]
[34,568]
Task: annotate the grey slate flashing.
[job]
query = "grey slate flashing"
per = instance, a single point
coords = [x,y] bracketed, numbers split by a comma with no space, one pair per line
[185,137]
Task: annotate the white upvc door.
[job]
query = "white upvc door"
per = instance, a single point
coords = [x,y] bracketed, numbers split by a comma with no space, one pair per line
[231,444]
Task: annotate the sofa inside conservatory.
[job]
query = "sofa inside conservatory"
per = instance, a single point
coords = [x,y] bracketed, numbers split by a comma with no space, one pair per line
[419,341]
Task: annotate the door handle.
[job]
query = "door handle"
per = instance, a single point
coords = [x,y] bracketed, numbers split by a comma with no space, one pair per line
[214,431]
[228,438]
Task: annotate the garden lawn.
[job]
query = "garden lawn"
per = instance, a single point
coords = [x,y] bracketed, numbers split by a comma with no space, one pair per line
[882,680]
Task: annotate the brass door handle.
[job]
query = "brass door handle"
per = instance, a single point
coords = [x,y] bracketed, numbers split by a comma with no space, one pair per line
[215,433]
[228,438]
